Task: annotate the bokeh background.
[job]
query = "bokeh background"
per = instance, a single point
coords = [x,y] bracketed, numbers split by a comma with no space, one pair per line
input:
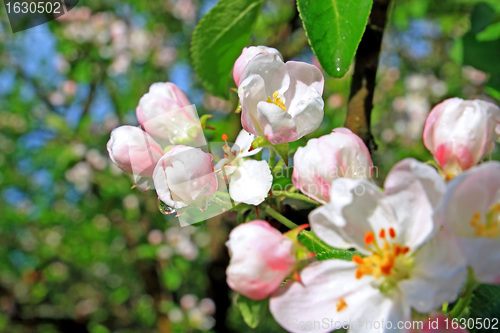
[80,251]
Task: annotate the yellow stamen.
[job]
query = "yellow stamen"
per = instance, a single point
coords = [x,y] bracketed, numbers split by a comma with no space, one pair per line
[277,101]
[490,228]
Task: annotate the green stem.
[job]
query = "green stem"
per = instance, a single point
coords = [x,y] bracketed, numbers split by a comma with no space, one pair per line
[272,158]
[280,218]
[466,297]
[293,195]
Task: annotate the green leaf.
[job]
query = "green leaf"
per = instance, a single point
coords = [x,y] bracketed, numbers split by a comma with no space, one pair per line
[481,55]
[485,304]
[334,29]
[313,243]
[251,311]
[219,39]
[324,251]
[281,149]
[482,15]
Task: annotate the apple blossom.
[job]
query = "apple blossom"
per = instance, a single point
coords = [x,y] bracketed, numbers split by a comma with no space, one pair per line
[184,176]
[246,55]
[166,113]
[471,210]
[459,133]
[280,101]
[261,258]
[401,266]
[133,150]
[249,180]
[339,154]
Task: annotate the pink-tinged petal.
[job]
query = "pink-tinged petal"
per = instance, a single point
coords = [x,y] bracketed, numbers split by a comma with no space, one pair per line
[483,255]
[307,111]
[251,92]
[355,208]
[133,150]
[414,189]
[303,76]
[246,55]
[339,154]
[277,125]
[250,183]
[166,113]
[460,132]
[302,307]
[184,176]
[329,297]
[261,258]
[271,69]
[438,275]
[474,191]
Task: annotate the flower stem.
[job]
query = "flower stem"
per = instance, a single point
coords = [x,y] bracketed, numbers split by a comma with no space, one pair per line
[280,218]
[466,297]
[297,196]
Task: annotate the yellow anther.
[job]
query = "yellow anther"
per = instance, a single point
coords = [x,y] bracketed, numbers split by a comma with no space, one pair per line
[341,305]
[490,227]
[277,101]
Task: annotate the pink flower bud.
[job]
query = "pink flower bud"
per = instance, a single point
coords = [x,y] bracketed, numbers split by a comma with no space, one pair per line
[246,55]
[166,113]
[339,154]
[261,258]
[184,176]
[133,150]
[459,133]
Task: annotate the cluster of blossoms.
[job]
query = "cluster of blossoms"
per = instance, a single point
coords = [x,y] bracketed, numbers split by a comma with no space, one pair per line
[410,245]
[405,249]
[169,151]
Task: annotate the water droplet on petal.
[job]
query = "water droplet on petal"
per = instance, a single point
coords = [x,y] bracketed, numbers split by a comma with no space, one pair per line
[164,208]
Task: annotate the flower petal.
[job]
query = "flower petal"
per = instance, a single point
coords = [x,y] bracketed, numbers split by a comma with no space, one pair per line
[243,143]
[414,189]
[251,91]
[483,255]
[356,207]
[250,183]
[439,274]
[271,69]
[278,126]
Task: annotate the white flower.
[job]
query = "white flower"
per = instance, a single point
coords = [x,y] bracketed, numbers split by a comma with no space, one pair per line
[246,55]
[281,102]
[249,180]
[401,267]
[471,210]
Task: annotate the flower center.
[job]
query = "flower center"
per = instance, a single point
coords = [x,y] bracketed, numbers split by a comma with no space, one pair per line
[389,262]
[276,100]
[490,227]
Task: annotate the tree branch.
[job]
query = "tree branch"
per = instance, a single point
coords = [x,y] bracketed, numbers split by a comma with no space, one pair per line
[365,71]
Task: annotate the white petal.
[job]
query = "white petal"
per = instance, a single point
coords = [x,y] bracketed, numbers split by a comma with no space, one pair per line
[251,91]
[414,189]
[356,207]
[277,125]
[272,70]
[310,305]
[483,255]
[439,274]
[307,111]
[243,143]
[250,183]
